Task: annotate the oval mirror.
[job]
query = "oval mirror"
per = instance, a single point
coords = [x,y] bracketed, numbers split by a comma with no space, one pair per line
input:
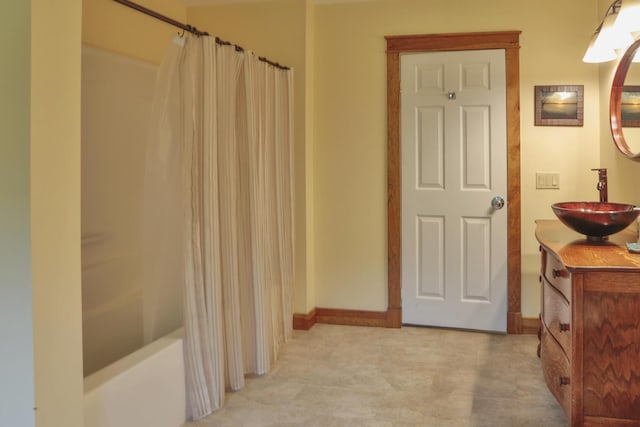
[624,104]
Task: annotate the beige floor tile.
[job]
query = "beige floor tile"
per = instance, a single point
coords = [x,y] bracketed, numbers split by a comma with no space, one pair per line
[356,376]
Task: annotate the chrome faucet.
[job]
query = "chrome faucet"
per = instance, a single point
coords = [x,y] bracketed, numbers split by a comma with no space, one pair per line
[602,184]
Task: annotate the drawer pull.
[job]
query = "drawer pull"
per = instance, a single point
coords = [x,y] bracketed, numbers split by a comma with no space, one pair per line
[565,327]
[557,273]
[565,381]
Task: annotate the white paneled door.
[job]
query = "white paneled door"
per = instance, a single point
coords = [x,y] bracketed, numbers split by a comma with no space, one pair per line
[454,189]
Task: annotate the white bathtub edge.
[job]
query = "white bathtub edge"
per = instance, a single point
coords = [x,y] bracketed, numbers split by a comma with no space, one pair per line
[145,388]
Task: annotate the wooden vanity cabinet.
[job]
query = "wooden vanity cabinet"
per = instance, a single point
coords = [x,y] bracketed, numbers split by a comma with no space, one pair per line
[590,325]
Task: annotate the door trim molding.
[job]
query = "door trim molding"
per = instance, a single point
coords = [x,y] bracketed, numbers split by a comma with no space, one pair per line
[509,41]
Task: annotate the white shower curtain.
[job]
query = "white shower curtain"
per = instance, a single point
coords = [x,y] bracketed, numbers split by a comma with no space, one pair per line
[229,120]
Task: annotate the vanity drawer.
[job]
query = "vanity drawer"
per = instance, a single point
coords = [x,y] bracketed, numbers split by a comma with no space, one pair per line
[556,369]
[556,314]
[556,274]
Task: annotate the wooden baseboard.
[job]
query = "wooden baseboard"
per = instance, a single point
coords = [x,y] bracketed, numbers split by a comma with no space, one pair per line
[304,322]
[394,317]
[389,319]
[514,322]
[335,316]
[351,317]
[530,325]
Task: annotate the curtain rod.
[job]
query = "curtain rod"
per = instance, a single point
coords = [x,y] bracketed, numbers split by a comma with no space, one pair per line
[191,29]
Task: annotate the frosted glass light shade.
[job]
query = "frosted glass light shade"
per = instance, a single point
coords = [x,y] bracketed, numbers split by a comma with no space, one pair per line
[598,52]
[629,16]
[612,35]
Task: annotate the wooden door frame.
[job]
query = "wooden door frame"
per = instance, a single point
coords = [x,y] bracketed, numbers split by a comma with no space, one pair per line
[509,41]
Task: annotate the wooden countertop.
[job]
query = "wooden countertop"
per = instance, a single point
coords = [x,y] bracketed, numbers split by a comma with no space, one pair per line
[576,253]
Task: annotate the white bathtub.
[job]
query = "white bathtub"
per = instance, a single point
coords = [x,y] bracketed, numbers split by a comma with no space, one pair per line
[144,389]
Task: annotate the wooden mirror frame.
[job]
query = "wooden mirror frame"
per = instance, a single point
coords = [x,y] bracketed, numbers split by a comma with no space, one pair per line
[615,102]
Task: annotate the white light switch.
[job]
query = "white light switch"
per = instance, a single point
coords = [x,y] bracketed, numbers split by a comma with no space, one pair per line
[547,180]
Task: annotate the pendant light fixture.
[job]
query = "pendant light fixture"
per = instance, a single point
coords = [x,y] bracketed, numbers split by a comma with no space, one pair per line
[618,29]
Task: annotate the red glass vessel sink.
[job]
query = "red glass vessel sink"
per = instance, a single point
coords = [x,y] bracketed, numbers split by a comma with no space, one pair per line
[596,220]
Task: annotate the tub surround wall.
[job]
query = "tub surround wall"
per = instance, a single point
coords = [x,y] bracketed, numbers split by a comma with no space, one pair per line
[117,94]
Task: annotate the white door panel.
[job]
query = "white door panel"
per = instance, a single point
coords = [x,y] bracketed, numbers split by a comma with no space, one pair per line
[453,148]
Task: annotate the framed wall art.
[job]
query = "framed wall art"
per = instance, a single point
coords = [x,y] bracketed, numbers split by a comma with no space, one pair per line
[559,105]
[630,106]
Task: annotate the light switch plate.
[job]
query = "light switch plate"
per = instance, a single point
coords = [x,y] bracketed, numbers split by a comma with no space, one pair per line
[547,180]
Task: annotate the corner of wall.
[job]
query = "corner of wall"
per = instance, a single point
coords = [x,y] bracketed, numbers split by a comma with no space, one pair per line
[309,150]
[55,212]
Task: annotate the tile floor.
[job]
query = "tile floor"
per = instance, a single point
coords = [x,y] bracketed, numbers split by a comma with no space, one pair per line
[358,376]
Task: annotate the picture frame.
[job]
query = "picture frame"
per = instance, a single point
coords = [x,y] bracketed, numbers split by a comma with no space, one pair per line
[630,106]
[560,105]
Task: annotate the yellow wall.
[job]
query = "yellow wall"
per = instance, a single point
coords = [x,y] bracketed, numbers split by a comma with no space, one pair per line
[113,27]
[341,122]
[338,53]
[350,125]
[572,152]
[16,328]
[55,211]
[277,30]
[42,141]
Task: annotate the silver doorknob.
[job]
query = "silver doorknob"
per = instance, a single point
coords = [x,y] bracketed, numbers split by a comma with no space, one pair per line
[497,202]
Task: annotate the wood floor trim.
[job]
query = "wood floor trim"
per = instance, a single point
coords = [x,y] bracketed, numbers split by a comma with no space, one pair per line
[351,317]
[530,325]
[334,316]
[304,322]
